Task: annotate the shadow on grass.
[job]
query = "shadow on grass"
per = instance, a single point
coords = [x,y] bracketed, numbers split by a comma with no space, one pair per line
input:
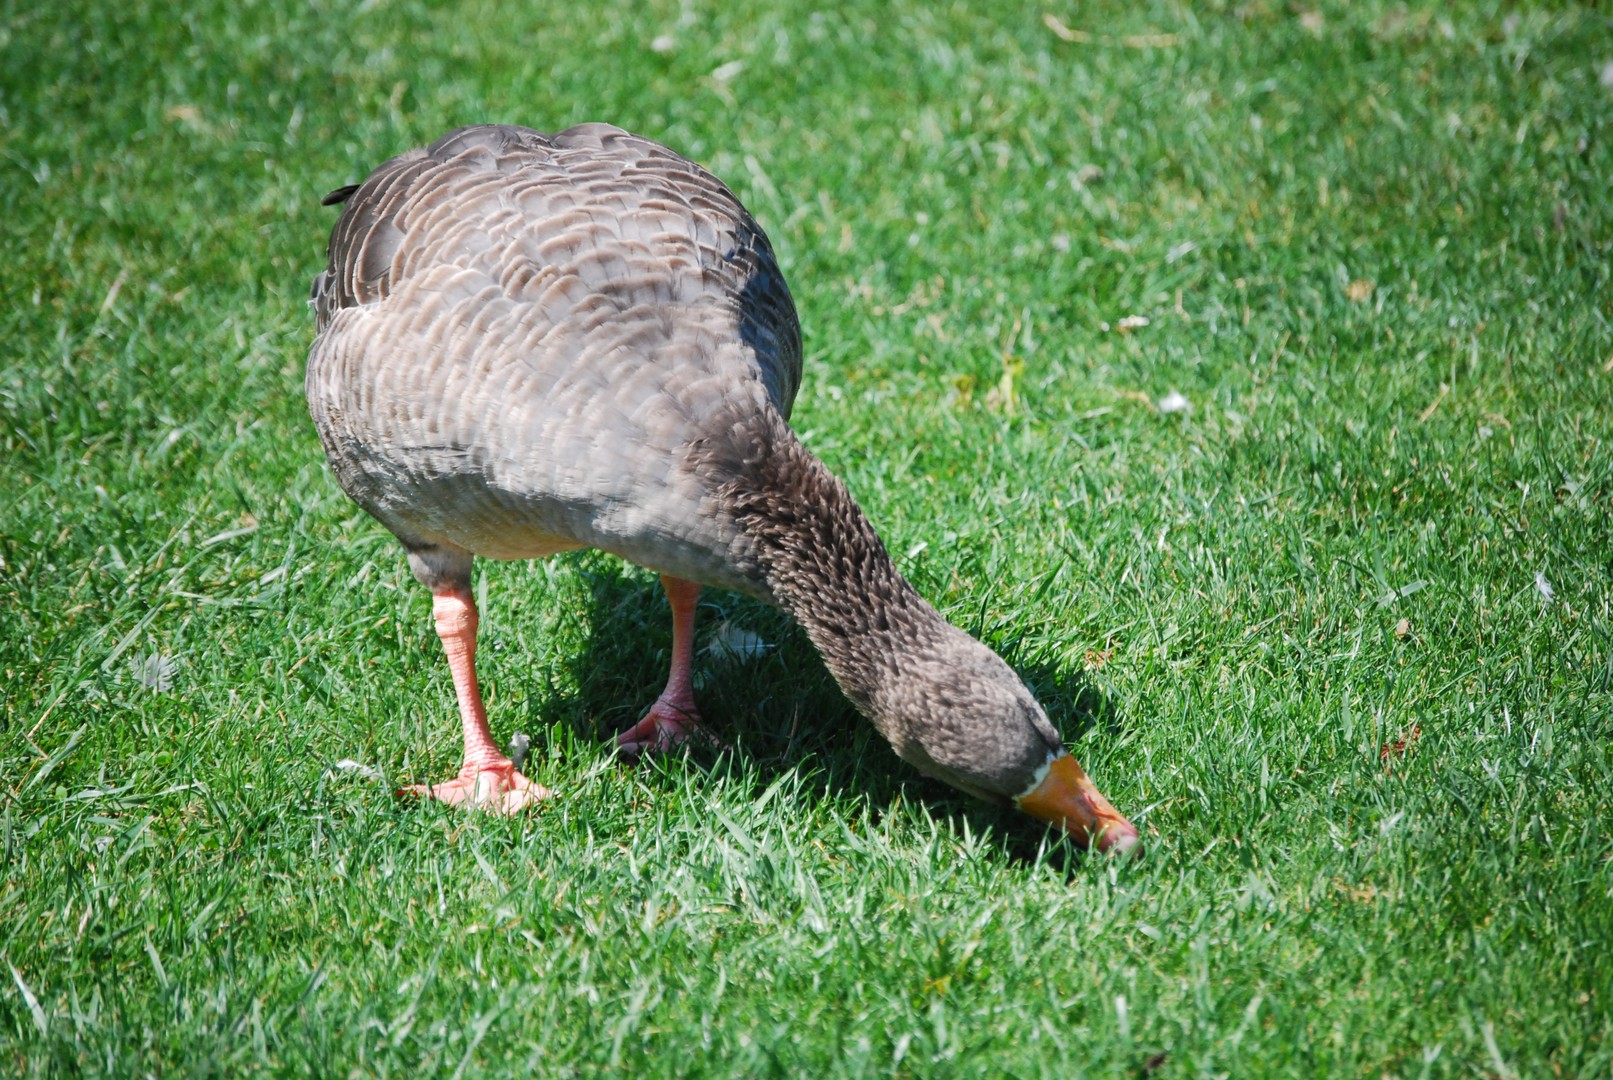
[781,708]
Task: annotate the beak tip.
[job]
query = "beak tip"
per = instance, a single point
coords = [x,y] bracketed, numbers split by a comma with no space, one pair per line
[1121,841]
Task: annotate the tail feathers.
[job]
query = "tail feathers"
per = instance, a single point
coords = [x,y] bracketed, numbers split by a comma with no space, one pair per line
[340,195]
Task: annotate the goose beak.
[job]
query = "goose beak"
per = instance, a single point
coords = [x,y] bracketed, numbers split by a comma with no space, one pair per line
[1066,797]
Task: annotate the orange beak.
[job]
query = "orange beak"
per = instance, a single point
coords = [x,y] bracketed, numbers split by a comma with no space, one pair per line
[1066,797]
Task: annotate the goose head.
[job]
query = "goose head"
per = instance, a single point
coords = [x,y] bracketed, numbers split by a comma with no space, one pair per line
[954,710]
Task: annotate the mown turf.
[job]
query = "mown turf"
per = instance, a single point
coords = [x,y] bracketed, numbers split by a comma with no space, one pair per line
[1337,635]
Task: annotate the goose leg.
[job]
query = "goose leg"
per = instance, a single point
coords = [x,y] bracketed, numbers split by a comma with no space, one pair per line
[673,718]
[487,780]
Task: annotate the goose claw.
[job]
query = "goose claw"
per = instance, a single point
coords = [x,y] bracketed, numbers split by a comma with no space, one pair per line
[662,731]
[497,789]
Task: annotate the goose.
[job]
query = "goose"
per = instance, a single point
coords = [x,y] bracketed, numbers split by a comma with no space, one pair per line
[530,343]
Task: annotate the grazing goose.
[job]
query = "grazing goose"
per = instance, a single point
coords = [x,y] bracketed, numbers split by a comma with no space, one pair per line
[533,343]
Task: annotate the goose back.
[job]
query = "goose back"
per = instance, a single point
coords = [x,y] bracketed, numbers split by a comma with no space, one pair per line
[522,336]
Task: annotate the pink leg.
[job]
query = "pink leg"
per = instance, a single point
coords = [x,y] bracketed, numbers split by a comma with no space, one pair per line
[488,780]
[673,717]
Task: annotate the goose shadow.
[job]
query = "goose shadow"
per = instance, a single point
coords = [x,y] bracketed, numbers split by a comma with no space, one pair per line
[774,705]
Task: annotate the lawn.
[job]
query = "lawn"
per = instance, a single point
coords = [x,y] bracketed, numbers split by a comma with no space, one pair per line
[1241,372]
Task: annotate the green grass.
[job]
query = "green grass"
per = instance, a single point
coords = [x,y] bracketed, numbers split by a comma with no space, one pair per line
[1373,244]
